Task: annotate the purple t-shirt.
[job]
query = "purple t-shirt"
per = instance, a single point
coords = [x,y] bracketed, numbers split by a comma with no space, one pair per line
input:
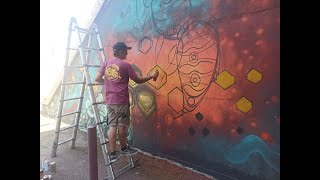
[116,77]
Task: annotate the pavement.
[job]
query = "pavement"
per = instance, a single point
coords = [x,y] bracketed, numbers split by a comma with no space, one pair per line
[72,164]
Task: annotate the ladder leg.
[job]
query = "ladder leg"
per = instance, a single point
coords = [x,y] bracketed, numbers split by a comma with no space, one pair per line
[75,130]
[99,42]
[56,133]
[86,78]
[130,161]
[102,138]
[62,90]
[96,114]
[77,119]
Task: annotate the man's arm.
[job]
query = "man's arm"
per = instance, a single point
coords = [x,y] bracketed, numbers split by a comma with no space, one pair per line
[99,78]
[140,80]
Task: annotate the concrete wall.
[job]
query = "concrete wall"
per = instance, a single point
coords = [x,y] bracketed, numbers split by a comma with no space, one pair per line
[216,104]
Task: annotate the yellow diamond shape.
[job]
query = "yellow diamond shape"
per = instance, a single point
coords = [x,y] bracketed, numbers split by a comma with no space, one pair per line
[161,80]
[254,76]
[225,79]
[244,105]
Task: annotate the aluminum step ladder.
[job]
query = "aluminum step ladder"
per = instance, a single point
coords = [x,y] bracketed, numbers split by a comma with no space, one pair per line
[84,52]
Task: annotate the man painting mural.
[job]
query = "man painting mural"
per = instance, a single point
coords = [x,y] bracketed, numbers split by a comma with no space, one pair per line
[115,74]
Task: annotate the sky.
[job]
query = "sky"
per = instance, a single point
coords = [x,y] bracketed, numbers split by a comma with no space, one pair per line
[55,16]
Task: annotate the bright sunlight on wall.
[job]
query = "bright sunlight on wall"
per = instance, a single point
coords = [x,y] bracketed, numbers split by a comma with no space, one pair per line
[54,20]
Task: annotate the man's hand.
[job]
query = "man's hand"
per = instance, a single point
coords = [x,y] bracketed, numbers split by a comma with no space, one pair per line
[140,80]
[99,78]
[155,75]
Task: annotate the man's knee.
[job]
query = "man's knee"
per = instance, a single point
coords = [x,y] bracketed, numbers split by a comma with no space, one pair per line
[122,130]
[112,132]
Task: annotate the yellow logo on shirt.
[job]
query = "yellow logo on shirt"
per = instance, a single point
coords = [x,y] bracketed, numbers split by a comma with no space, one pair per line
[112,72]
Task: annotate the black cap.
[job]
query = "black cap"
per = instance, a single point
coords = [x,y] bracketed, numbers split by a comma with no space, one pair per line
[120,46]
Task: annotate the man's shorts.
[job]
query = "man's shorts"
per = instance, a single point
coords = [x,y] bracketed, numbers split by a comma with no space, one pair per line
[118,114]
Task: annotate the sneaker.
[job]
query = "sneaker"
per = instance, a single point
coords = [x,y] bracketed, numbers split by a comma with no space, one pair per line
[113,158]
[129,150]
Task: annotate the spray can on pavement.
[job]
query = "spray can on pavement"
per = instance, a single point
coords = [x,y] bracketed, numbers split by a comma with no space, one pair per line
[45,164]
[53,167]
[41,173]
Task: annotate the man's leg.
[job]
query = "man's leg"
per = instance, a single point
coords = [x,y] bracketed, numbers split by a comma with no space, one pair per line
[112,138]
[123,123]
[112,133]
[125,148]
[122,136]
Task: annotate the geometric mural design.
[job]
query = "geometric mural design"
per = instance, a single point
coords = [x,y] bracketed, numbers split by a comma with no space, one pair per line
[161,79]
[244,105]
[199,116]
[175,100]
[145,45]
[196,55]
[146,100]
[225,80]
[254,76]
[192,41]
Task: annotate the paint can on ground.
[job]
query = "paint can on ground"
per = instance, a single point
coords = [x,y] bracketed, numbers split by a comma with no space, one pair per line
[46,177]
[46,165]
[53,167]
[41,173]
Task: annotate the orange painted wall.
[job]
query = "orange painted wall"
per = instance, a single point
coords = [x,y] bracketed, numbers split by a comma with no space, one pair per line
[216,104]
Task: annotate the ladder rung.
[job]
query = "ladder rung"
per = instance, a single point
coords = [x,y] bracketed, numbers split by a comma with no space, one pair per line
[67,114]
[85,30]
[96,103]
[85,65]
[94,84]
[106,142]
[65,141]
[73,66]
[67,83]
[75,49]
[69,99]
[122,170]
[65,128]
[90,48]
[90,65]
[108,165]
[101,122]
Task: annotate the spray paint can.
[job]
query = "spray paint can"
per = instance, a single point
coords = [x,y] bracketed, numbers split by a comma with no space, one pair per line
[155,78]
[46,177]
[41,173]
[45,165]
[53,167]
[42,162]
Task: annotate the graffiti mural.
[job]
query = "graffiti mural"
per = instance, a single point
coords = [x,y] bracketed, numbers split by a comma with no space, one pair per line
[215,106]
[219,70]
